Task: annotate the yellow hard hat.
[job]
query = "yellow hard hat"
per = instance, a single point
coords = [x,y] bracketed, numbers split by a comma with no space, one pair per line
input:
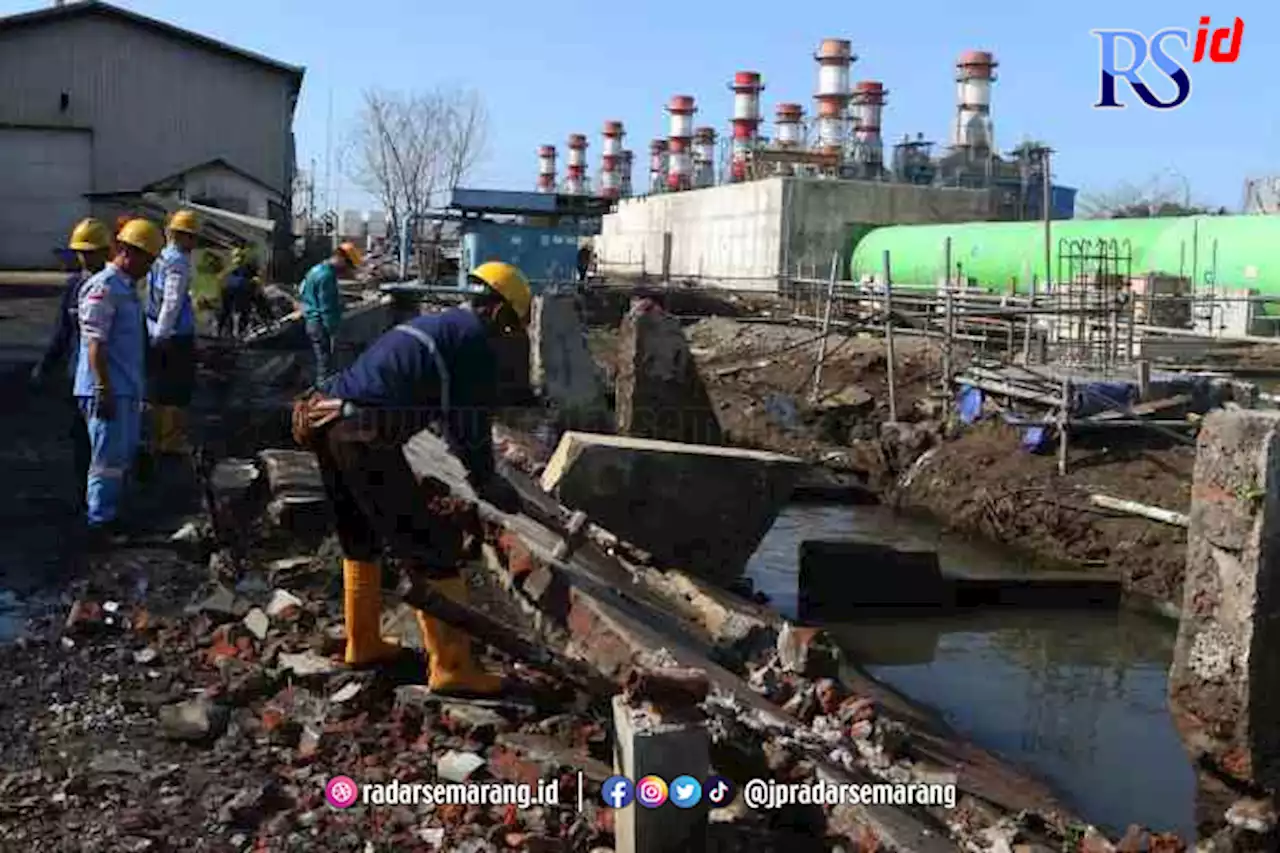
[509,283]
[352,253]
[89,235]
[185,221]
[142,234]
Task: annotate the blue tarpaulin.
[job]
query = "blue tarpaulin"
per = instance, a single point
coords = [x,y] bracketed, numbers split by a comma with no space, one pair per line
[969,404]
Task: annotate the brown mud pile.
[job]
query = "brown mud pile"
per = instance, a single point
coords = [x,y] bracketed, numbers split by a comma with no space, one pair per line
[979,481]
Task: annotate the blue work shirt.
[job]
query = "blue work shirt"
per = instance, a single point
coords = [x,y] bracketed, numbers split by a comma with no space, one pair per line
[321,300]
[65,341]
[399,371]
[169,309]
[238,279]
[111,313]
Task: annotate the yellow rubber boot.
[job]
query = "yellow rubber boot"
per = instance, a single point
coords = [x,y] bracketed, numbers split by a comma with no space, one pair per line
[453,669]
[362,600]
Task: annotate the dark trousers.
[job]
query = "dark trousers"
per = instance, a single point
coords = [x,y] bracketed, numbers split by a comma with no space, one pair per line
[171,371]
[378,501]
[322,348]
[233,313]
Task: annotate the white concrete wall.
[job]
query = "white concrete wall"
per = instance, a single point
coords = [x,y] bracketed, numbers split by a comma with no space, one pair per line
[743,236]
[732,233]
[224,188]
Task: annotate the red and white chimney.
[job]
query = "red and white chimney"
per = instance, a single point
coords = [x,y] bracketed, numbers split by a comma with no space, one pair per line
[704,157]
[788,126]
[576,180]
[679,140]
[658,165]
[611,160]
[746,88]
[547,169]
[868,106]
[834,57]
[972,130]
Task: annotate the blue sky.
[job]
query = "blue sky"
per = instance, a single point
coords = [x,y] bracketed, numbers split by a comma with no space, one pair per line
[550,69]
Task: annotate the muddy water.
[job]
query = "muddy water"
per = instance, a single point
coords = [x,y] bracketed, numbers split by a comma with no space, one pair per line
[1077,697]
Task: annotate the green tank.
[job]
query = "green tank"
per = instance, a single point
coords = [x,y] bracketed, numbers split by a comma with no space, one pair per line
[1231,251]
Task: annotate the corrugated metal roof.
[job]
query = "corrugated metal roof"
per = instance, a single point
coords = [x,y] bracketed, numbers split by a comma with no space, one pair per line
[53,14]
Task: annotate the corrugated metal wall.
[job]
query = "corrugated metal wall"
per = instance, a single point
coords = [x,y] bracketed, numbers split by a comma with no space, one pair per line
[156,105]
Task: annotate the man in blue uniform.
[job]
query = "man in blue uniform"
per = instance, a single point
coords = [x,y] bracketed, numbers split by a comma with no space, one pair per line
[109,381]
[435,370]
[171,328]
[322,304]
[90,242]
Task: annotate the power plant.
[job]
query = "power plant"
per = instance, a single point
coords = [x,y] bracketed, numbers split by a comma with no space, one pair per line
[840,139]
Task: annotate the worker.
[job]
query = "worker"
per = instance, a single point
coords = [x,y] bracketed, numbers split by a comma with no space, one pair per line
[90,244]
[440,370]
[237,295]
[584,262]
[110,371]
[171,329]
[322,303]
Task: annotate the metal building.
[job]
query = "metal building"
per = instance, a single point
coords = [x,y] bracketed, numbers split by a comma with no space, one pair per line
[99,104]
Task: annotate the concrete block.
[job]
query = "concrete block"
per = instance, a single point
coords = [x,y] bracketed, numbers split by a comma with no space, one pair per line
[561,368]
[700,508]
[660,393]
[298,502]
[839,579]
[649,746]
[235,485]
[1224,685]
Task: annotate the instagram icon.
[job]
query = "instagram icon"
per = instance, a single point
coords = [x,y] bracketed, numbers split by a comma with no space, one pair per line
[651,792]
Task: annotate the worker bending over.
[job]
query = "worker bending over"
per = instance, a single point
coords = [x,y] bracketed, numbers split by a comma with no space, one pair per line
[240,295]
[91,243]
[322,304]
[109,380]
[436,371]
[171,327]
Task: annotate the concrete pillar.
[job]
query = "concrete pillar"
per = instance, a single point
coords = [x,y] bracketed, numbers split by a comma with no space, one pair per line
[561,369]
[660,394]
[648,745]
[1224,687]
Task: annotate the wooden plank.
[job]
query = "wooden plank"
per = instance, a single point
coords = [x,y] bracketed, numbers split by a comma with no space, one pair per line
[1142,409]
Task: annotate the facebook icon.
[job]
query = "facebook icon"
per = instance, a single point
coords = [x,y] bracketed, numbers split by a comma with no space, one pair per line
[617,792]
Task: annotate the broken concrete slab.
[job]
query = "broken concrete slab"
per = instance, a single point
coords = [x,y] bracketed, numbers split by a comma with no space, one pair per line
[561,368]
[841,576]
[298,504]
[1224,686]
[660,394]
[697,507]
[235,491]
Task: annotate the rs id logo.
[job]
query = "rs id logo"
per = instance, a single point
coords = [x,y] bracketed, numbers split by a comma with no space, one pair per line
[1221,44]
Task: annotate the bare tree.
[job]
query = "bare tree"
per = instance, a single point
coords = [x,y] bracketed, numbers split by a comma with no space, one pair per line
[1164,194]
[406,149]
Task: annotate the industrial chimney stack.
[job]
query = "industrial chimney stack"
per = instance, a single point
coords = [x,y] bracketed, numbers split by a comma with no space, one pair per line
[868,148]
[788,131]
[547,169]
[834,58]
[575,183]
[680,138]
[746,88]
[704,157]
[972,131]
[610,180]
[625,167]
[658,165]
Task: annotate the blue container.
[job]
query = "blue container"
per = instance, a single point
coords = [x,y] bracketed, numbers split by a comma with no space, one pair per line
[543,254]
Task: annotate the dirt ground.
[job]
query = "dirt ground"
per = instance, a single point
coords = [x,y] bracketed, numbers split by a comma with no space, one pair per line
[979,481]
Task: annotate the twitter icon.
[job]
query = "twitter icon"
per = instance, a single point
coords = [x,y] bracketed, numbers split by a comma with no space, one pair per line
[686,792]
